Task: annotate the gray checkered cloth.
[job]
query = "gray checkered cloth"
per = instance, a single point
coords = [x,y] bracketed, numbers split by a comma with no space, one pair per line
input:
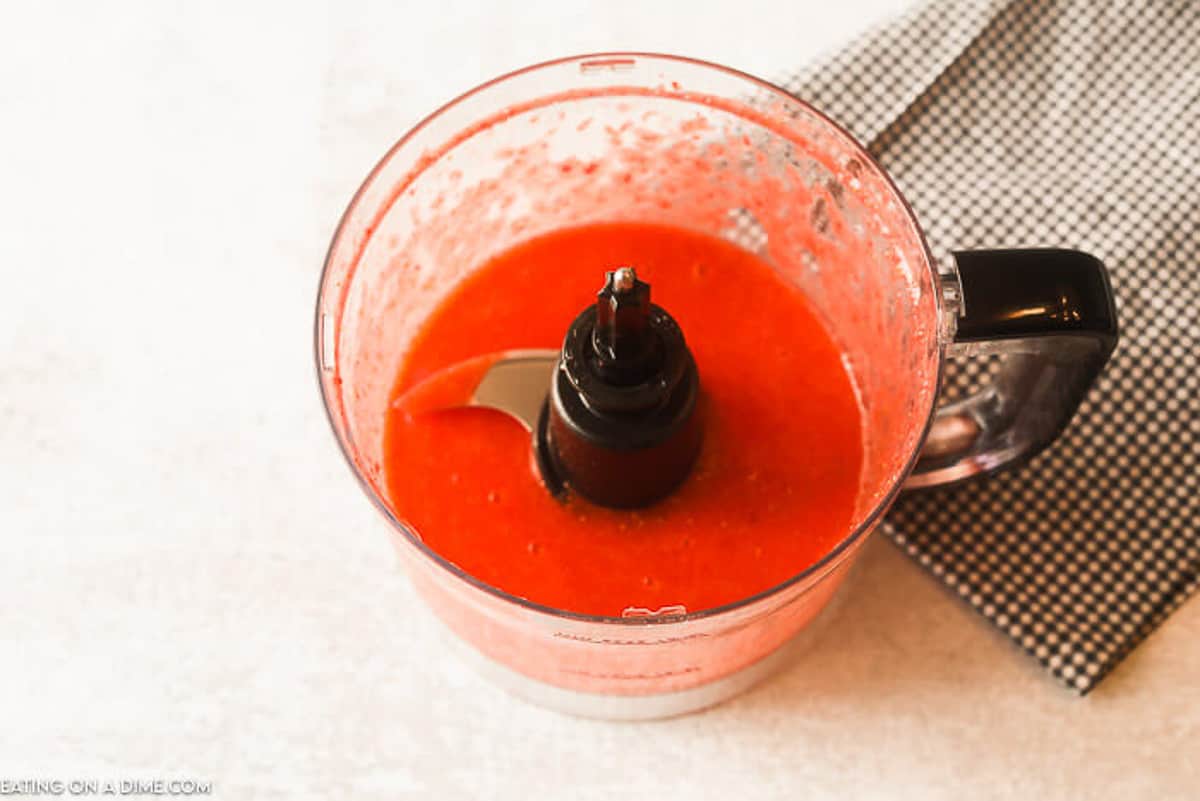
[1067,124]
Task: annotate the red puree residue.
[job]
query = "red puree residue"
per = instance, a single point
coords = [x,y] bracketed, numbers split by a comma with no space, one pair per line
[775,484]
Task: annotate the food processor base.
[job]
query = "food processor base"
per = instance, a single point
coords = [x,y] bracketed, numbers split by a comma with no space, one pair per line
[620,707]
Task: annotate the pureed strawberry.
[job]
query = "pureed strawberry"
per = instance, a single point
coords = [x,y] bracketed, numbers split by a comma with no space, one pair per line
[774,487]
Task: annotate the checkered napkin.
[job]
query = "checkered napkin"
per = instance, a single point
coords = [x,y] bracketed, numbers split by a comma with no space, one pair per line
[1067,124]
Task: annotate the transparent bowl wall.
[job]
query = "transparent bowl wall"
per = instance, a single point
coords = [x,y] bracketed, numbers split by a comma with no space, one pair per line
[645,138]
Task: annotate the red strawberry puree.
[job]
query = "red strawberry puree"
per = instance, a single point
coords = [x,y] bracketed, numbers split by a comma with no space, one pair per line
[774,488]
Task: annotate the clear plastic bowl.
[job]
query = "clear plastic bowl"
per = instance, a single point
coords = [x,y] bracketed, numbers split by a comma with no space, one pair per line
[648,138]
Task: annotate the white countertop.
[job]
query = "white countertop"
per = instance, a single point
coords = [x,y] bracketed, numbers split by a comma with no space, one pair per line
[191,583]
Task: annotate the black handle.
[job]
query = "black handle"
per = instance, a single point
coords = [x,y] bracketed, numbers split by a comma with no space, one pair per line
[1052,313]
